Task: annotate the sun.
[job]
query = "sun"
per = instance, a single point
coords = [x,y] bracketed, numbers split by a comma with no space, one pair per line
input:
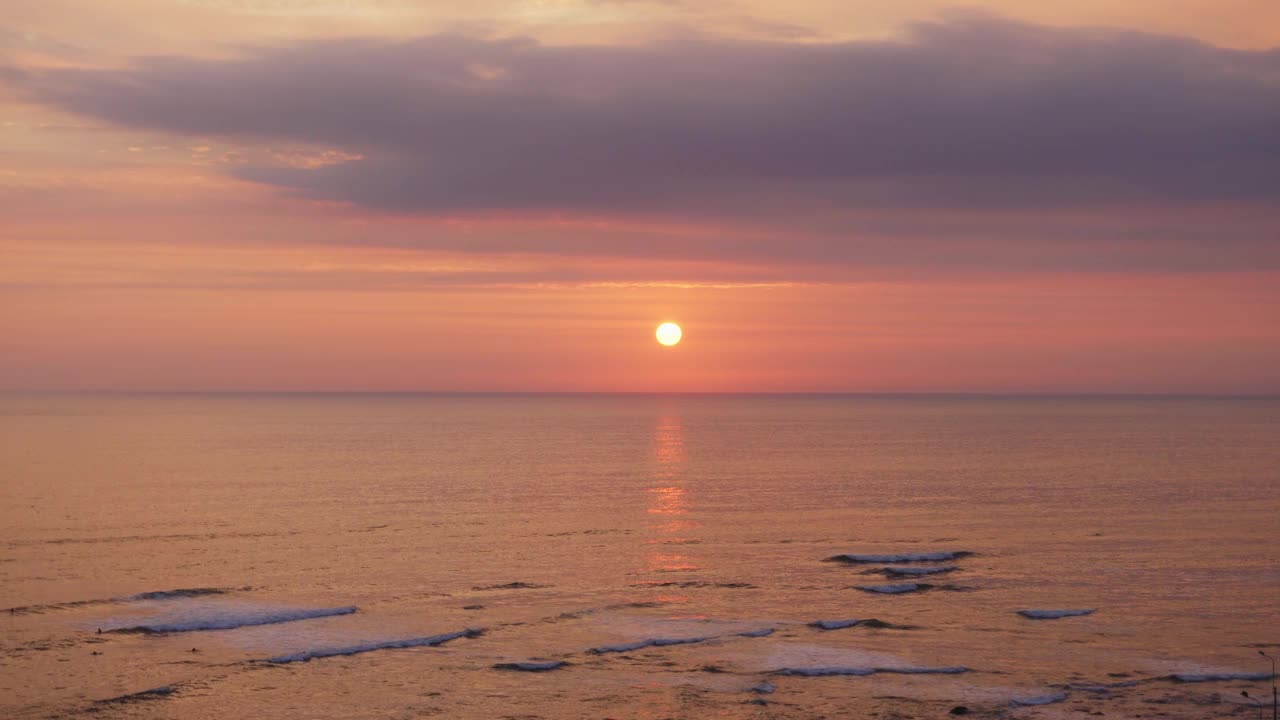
[669,333]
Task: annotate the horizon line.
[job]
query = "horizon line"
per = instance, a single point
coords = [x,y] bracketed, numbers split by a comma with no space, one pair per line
[668,393]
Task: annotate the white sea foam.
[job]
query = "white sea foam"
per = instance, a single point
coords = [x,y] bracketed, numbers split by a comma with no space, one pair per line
[834,624]
[1038,700]
[1054,614]
[431,641]
[919,570]
[214,617]
[764,688]
[896,589]
[941,556]
[649,642]
[762,632]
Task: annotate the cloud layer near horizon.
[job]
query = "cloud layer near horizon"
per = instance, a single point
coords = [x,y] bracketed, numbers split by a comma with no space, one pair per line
[971,142]
[971,112]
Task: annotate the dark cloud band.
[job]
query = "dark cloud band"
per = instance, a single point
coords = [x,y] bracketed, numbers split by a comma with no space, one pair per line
[973,113]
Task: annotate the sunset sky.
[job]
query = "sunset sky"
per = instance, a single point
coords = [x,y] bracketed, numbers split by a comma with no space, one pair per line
[828,195]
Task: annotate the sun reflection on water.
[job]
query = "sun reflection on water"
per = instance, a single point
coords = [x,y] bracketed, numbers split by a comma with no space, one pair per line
[669,501]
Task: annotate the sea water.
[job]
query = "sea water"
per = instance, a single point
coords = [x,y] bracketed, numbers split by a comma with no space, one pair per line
[636,556]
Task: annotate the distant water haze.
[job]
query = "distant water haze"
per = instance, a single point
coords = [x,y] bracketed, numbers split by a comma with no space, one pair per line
[378,555]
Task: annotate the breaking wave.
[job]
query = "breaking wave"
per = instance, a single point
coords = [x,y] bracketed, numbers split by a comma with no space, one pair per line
[1212,677]
[152,694]
[179,593]
[1039,700]
[434,640]
[941,556]
[896,589]
[650,642]
[834,624]
[153,595]
[1054,614]
[917,571]
[531,666]
[231,618]
[835,670]
[518,585]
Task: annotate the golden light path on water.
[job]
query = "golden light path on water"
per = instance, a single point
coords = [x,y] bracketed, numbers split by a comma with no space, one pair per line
[669,501]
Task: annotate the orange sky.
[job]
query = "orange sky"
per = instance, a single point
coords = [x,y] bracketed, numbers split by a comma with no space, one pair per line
[343,233]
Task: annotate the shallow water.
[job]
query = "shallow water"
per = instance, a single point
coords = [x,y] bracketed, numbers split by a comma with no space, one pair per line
[560,524]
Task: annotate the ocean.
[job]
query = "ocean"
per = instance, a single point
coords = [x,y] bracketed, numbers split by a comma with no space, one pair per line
[408,555]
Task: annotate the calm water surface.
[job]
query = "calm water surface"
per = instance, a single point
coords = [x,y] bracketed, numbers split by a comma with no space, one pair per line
[559,524]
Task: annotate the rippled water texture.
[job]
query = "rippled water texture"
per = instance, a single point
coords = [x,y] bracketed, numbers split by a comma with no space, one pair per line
[636,556]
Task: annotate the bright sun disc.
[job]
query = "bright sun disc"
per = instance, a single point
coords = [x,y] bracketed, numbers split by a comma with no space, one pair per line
[669,334]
